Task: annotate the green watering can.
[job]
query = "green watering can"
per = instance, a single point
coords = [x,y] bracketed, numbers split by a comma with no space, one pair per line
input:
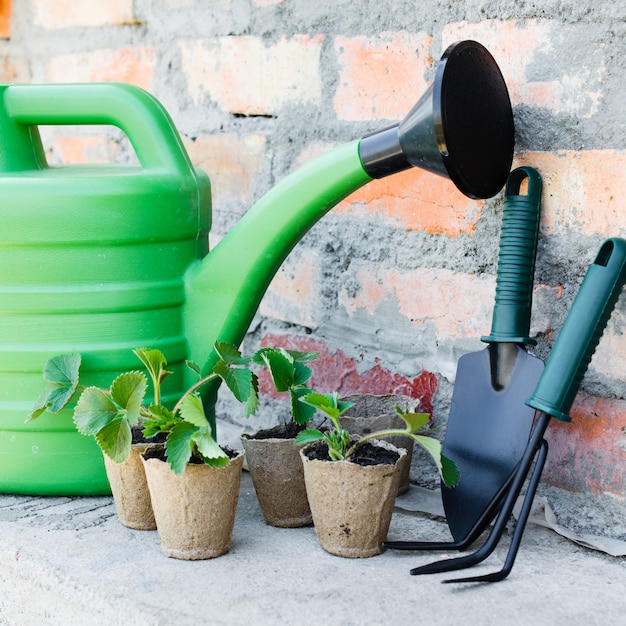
[103,259]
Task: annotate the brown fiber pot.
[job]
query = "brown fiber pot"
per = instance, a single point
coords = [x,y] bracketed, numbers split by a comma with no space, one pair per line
[351,504]
[372,413]
[130,489]
[278,478]
[194,511]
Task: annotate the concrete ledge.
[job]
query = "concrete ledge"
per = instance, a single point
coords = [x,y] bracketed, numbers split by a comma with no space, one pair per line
[69,561]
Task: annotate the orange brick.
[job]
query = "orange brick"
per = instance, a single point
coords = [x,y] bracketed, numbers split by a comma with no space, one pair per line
[52,14]
[244,75]
[231,161]
[381,77]
[81,149]
[455,304]
[133,65]
[589,454]
[582,191]
[416,200]
[515,44]
[5,19]
[293,295]
[14,69]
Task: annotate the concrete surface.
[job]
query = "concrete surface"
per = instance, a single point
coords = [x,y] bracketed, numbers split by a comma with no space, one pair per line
[67,560]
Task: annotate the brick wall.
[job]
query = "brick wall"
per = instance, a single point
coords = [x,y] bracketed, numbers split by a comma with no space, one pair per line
[398,280]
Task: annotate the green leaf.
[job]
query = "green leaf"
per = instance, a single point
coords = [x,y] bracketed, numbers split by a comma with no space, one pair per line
[161,420]
[229,353]
[302,357]
[128,391]
[59,398]
[207,446]
[194,367]
[344,405]
[301,413]
[94,410]
[61,374]
[328,403]
[239,381]
[447,469]
[41,404]
[220,461]
[415,421]
[258,357]
[63,369]
[281,368]
[309,435]
[302,373]
[155,362]
[115,440]
[179,445]
[252,404]
[192,411]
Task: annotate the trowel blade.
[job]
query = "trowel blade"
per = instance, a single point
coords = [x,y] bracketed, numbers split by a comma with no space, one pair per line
[487,432]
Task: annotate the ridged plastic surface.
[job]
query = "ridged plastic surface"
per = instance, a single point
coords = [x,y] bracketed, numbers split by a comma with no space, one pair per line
[516,263]
[92,260]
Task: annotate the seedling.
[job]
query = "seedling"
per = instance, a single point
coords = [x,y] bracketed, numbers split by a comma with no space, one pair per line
[109,415]
[341,446]
[289,374]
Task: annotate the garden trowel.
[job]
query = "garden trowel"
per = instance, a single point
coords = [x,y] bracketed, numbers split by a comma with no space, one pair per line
[489,423]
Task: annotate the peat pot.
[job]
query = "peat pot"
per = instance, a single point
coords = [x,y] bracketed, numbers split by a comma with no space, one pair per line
[351,504]
[130,489]
[194,511]
[372,413]
[278,478]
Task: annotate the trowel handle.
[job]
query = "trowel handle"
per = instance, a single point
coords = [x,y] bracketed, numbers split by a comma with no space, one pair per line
[516,263]
[581,332]
[137,113]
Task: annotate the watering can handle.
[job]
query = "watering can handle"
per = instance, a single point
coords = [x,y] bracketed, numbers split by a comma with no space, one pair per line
[137,113]
[581,332]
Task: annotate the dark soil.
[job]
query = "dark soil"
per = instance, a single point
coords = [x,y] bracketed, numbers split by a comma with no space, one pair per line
[137,433]
[158,452]
[282,431]
[366,454]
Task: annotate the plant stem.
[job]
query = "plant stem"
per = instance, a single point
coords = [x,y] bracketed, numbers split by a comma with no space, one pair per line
[377,435]
[191,389]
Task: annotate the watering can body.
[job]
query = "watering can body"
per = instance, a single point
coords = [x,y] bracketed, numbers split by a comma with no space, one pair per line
[104,259]
[92,260]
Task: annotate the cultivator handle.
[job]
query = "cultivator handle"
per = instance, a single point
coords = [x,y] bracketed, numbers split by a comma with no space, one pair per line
[581,332]
[516,263]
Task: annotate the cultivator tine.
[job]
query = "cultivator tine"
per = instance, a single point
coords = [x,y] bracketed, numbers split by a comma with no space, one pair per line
[519,527]
[468,560]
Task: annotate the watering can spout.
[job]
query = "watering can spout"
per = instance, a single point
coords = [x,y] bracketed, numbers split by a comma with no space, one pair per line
[461,128]
[224,290]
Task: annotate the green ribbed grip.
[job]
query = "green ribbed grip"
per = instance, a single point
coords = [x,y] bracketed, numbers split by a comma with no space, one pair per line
[581,332]
[516,263]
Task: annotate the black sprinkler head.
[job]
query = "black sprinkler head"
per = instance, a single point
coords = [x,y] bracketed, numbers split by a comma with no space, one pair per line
[461,128]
